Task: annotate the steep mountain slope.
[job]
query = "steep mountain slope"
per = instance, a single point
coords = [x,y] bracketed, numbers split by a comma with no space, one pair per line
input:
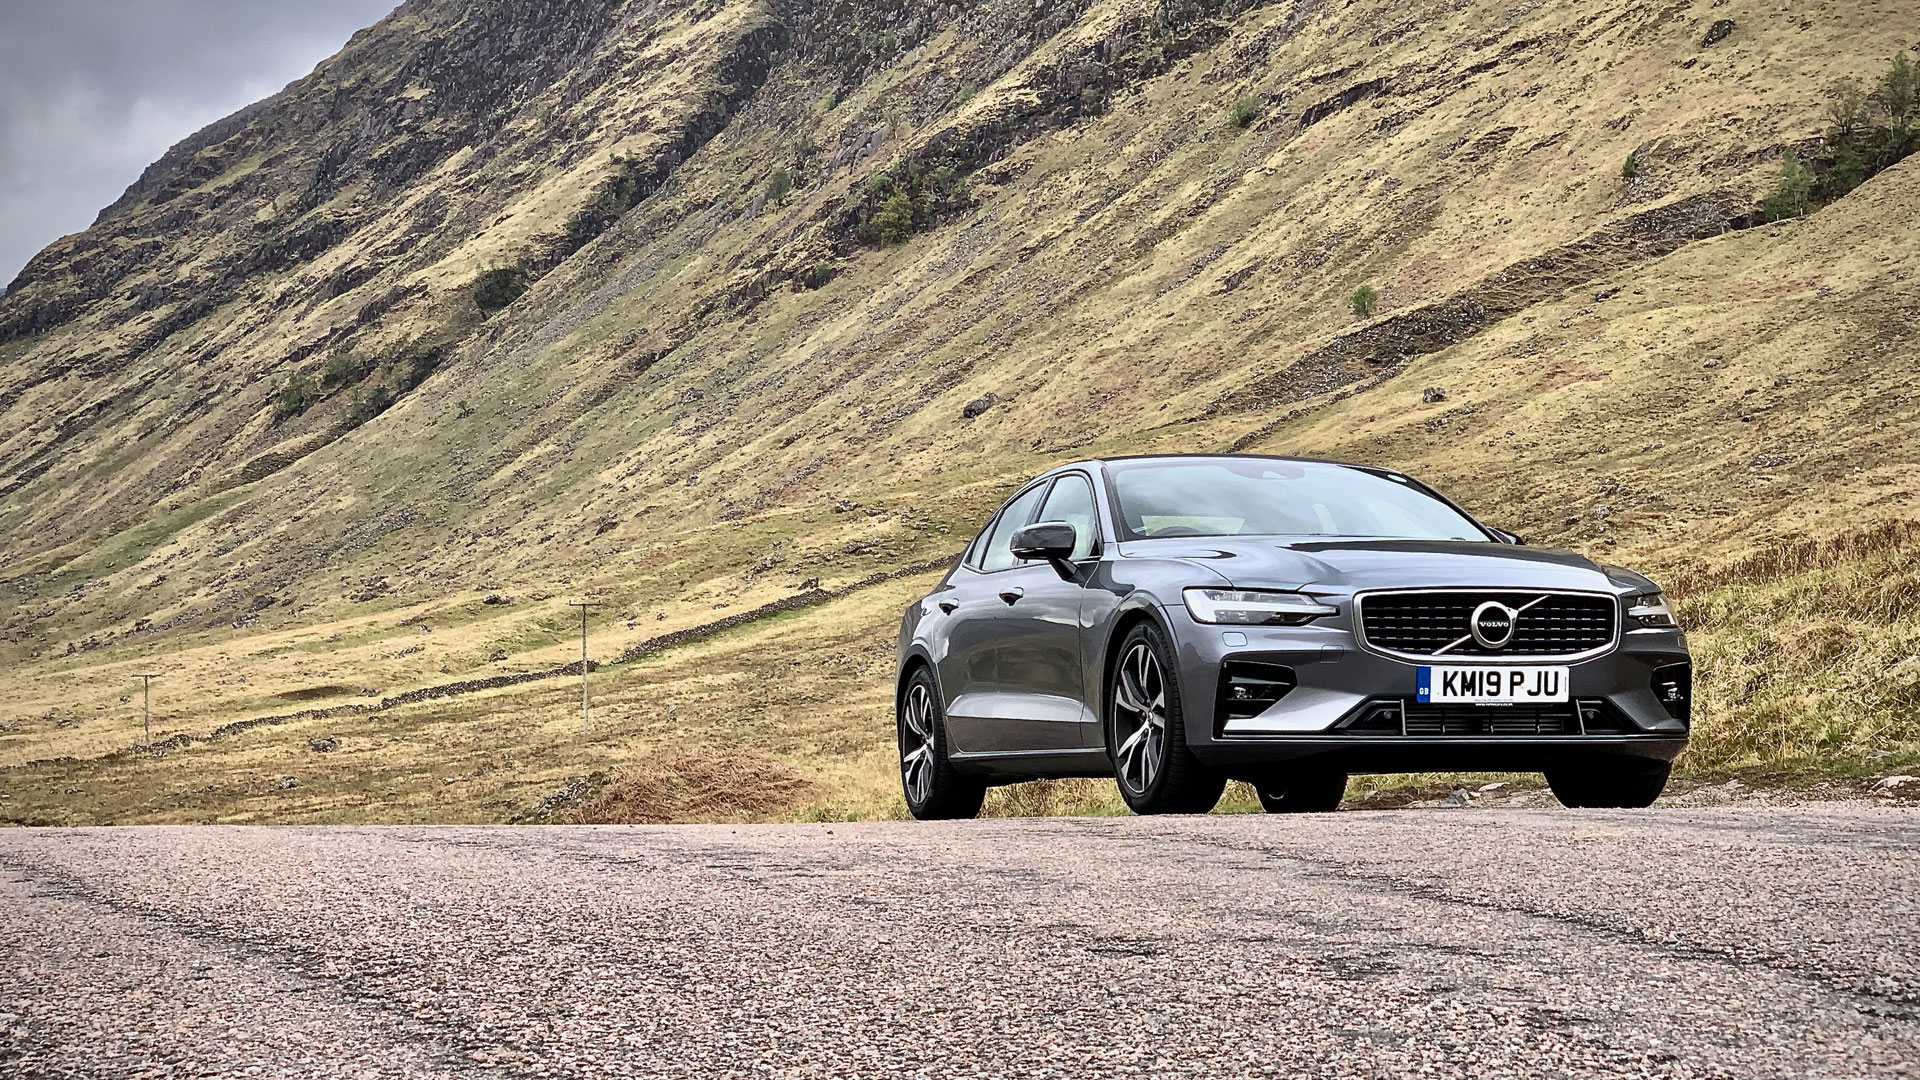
[1123,226]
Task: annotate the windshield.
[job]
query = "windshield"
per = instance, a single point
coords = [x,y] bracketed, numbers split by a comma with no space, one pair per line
[1259,497]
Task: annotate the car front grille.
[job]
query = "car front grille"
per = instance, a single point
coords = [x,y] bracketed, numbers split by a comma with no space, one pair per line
[1549,623]
[1395,716]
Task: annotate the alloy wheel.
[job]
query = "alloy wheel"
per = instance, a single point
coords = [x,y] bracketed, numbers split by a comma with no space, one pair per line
[1140,717]
[917,744]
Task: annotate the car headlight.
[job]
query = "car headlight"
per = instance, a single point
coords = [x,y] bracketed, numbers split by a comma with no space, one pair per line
[1253,607]
[1650,610]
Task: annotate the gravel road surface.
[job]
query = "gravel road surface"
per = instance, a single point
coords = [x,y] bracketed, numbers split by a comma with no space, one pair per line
[1745,942]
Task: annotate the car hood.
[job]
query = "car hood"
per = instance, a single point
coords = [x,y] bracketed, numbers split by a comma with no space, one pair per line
[1348,565]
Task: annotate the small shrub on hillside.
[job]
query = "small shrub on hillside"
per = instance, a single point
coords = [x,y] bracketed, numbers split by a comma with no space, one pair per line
[293,398]
[616,194]
[1848,113]
[495,289]
[1243,112]
[1791,195]
[1899,90]
[1848,171]
[815,276]
[1630,168]
[894,221]
[341,369]
[1364,301]
[367,404]
[410,364]
[400,369]
[803,151]
[778,185]
[894,205]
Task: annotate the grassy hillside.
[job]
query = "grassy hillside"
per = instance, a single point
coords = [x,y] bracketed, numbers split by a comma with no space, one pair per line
[1121,227]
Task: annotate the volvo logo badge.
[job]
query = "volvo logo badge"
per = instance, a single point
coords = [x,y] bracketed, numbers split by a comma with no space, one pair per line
[1491,624]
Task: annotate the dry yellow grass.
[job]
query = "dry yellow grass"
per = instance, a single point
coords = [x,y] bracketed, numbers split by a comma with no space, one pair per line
[728,785]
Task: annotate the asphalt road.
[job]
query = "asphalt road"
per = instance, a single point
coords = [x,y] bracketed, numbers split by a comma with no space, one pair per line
[1740,942]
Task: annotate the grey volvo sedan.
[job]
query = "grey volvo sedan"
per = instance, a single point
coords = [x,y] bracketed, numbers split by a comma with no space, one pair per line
[1176,622]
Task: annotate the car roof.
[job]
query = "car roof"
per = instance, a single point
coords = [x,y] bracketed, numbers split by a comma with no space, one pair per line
[1118,458]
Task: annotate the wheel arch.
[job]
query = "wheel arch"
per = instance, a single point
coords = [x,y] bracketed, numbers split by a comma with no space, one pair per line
[914,661]
[1134,611]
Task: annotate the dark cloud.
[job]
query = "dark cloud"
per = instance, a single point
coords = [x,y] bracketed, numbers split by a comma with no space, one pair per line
[92,91]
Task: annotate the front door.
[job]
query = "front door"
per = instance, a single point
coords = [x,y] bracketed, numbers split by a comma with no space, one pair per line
[1040,664]
[973,617]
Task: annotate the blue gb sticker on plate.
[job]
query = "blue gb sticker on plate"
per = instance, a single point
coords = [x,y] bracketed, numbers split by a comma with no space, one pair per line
[1425,685]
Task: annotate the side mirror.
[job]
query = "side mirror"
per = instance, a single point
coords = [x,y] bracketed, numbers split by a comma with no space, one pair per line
[1506,537]
[1050,540]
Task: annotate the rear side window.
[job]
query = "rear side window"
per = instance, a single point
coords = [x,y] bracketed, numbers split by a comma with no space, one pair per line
[972,557]
[999,551]
[1071,501]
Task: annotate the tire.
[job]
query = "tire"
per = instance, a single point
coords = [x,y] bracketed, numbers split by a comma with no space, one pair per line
[1146,731]
[935,790]
[1609,783]
[1304,792]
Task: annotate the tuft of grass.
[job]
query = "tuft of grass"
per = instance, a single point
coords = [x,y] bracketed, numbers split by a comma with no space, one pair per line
[1629,168]
[1055,798]
[1087,797]
[1364,301]
[1243,112]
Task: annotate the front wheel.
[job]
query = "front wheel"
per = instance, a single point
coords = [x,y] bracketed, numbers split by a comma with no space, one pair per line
[933,787]
[1609,783]
[1147,735]
[1302,792]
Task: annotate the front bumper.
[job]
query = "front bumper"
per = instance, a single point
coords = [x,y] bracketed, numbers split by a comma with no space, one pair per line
[1615,710]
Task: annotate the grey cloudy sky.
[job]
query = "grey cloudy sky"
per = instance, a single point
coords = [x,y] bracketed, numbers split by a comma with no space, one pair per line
[92,91]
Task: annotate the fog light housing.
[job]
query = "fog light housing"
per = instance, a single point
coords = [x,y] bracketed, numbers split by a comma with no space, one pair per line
[1673,686]
[1249,688]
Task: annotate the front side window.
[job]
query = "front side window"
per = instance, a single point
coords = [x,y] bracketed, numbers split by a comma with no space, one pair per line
[999,551]
[1260,497]
[1071,501]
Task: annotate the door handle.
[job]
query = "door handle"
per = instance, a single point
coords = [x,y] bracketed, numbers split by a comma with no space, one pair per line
[948,606]
[1010,595]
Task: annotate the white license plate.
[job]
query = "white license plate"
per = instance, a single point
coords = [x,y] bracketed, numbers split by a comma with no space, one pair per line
[1492,684]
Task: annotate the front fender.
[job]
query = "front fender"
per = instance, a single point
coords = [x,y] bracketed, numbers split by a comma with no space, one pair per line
[1136,605]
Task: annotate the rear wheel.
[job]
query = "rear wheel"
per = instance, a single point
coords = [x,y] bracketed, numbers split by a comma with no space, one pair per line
[933,787]
[1304,792]
[1609,783]
[1147,735]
